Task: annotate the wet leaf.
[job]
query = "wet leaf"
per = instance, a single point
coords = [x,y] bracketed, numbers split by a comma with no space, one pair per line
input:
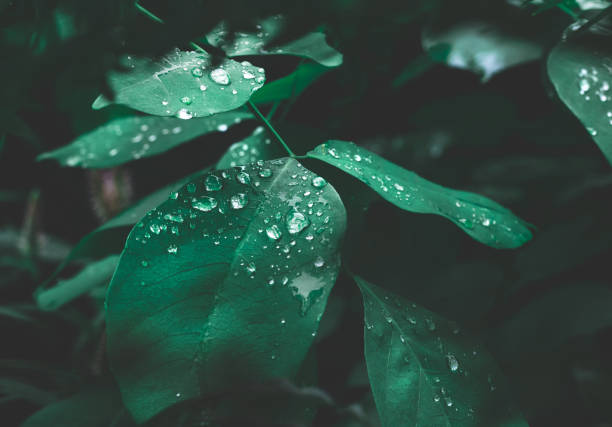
[129,138]
[183,84]
[481,47]
[257,146]
[223,284]
[481,218]
[579,69]
[93,275]
[312,45]
[425,371]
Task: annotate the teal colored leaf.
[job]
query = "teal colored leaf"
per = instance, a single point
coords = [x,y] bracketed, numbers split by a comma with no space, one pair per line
[257,146]
[425,371]
[593,4]
[129,138]
[579,71]
[481,218]
[183,84]
[292,85]
[482,47]
[223,283]
[95,274]
[312,45]
[98,406]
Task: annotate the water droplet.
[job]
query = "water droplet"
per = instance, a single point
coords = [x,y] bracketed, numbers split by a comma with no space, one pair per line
[318,182]
[247,75]
[243,178]
[436,398]
[172,249]
[234,92]
[453,363]
[220,76]
[186,100]
[174,218]
[203,88]
[238,201]
[431,325]
[113,152]
[184,114]
[144,263]
[222,127]
[274,232]
[191,187]
[448,401]
[197,72]
[251,268]
[486,222]
[296,222]
[319,262]
[213,183]
[283,322]
[155,228]
[265,173]
[398,187]
[204,204]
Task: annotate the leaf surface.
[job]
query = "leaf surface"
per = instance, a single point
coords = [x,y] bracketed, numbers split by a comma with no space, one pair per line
[183,84]
[425,371]
[223,284]
[481,218]
[257,146]
[292,85]
[129,138]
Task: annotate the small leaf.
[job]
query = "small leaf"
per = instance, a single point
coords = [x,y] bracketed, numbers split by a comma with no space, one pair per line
[424,371]
[312,46]
[224,283]
[292,85]
[183,84]
[257,146]
[129,138]
[95,274]
[481,218]
[481,47]
[579,71]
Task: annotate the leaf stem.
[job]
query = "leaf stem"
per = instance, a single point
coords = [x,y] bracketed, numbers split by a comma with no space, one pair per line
[265,121]
[567,10]
[148,13]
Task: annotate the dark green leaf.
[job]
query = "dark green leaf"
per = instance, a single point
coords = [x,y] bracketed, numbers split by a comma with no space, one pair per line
[579,71]
[425,371]
[224,283]
[183,84]
[257,146]
[290,86]
[312,45]
[11,389]
[481,47]
[481,218]
[129,138]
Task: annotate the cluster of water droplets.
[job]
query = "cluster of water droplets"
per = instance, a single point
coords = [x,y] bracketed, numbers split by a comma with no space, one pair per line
[248,150]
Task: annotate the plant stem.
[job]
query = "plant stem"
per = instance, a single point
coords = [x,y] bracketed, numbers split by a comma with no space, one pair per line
[567,10]
[252,106]
[265,121]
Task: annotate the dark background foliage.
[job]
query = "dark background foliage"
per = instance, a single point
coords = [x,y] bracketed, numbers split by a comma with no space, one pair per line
[541,308]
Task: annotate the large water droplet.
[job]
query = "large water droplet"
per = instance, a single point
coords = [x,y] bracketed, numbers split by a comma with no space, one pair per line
[213,183]
[296,222]
[265,173]
[197,72]
[274,232]
[318,182]
[184,114]
[204,204]
[220,76]
[319,262]
[243,178]
[238,201]
[453,363]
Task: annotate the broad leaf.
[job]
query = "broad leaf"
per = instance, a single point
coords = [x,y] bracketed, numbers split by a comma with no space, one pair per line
[183,84]
[224,283]
[129,138]
[92,276]
[425,371]
[257,146]
[481,47]
[481,218]
[292,85]
[579,71]
[312,45]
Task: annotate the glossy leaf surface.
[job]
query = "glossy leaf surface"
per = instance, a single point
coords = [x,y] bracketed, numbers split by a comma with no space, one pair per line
[483,219]
[425,371]
[130,138]
[312,45]
[224,283]
[257,146]
[183,84]
[579,71]
[292,85]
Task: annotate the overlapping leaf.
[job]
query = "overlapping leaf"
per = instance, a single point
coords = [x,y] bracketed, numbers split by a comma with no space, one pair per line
[481,218]
[257,146]
[425,371]
[129,138]
[183,84]
[292,85]
[224,283]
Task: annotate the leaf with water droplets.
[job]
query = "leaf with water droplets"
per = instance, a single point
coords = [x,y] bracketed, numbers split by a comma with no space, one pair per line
[183,84]
[204,299]
[481,218]
[129,138]
[257,146]
[482,47]
[312,45]
[425,371]
[581,72]
[292,85]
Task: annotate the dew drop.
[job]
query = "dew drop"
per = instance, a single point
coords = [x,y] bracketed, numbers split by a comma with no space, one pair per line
[204,204]
[172,249]
[239,201]
[220,76]
[296,222]
[222,127]
[213,183]
[186,100]
[319,262]
[113,152]
[318,182]
[453,363]
[184,114]
[274,232]
[243,178]
[265,173]
[197,72]
[251,268]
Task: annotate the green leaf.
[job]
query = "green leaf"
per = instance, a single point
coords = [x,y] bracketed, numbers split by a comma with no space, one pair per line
[482,47]
[481,218]
[312,45]
[224,283]
[183,84]
[129,138]
[579,72]
[98,406]
[424,371]
[292,85]
[95,274]
[257,146]
[11,389]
